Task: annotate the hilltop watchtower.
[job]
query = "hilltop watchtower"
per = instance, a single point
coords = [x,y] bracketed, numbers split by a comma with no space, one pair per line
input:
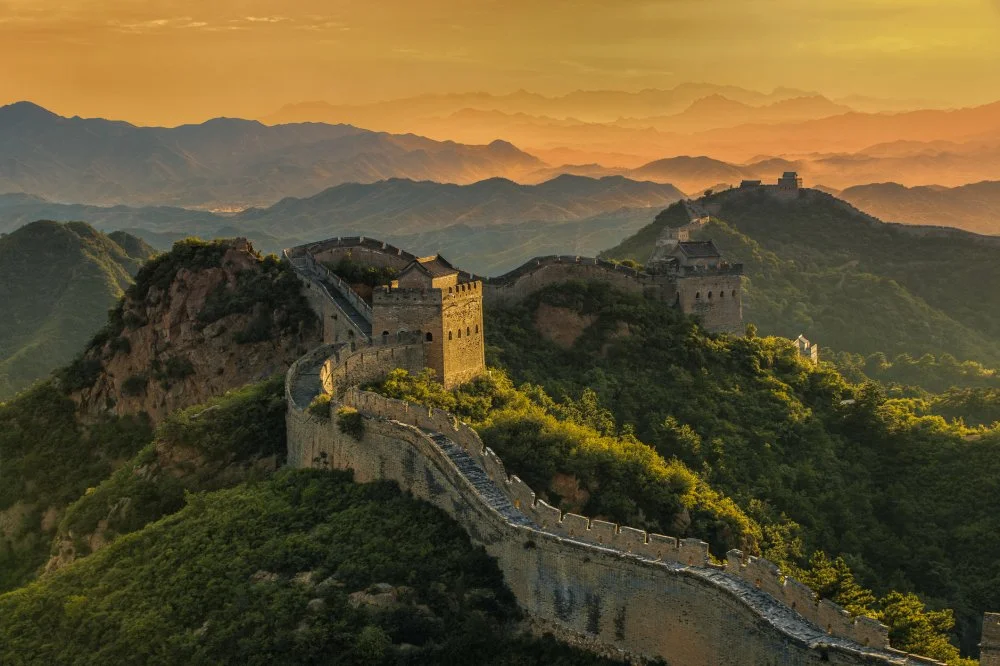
[429,298]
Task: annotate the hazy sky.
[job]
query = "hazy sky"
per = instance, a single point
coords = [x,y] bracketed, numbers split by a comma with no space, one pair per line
[169,61]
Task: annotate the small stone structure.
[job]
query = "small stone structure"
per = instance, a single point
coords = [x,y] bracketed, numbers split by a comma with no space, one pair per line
[807,349]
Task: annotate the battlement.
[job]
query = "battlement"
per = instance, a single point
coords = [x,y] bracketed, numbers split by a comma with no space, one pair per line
[648,592]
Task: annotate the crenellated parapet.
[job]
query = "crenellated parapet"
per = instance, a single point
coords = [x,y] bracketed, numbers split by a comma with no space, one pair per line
[611,587]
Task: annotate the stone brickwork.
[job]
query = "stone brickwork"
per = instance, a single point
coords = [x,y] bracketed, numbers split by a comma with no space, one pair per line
[614,589]
[990,646]
[715,296]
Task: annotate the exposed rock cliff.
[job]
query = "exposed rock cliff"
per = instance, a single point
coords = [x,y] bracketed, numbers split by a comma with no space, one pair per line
[202,319]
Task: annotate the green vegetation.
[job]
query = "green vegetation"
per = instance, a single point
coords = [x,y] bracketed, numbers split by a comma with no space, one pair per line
[353,272]
[272,288]
[571,454]
[330,573]
[56,282]
[350,422]
[818,267]
[206,447]
[320,406]
[813,462]
[48,460]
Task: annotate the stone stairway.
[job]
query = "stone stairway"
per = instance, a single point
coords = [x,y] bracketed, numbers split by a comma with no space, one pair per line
[479,480]
[352,313]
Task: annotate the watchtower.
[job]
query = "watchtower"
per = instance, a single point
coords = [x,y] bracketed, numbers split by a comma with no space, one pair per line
[429,298]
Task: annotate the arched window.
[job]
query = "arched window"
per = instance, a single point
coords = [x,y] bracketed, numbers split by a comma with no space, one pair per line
[477,329]
[449,335]
[722,294]
[468,331]
[697,295]
[385,334]
[709,295]
[450,290]
[429,337]
[459,334]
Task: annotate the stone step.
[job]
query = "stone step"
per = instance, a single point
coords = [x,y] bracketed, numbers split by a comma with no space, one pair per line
[486,488]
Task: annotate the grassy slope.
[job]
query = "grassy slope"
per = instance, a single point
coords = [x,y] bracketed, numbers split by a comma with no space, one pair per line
[56,283]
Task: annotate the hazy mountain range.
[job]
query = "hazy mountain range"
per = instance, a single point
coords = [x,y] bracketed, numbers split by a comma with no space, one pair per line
[974,207]
[489,226]
[222,161]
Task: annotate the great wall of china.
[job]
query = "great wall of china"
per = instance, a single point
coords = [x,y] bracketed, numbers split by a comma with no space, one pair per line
[613,589]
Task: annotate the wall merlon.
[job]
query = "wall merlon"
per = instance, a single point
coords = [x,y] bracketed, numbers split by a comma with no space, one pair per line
[575,525]
[661,547]
[734,562]
[522,496]
[833,619]
[602,532]
[630,540]
[693,552]
[870,632]
[494,466]
[765,575]
[546,515]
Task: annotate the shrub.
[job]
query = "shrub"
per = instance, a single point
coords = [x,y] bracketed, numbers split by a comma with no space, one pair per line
[320,406]
[135,385]
[350,422]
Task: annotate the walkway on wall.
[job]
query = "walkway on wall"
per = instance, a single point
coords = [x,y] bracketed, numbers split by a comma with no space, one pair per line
[306,384]
[345,305]
[476,476]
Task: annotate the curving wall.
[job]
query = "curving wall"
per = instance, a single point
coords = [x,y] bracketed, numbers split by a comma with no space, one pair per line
[610,588]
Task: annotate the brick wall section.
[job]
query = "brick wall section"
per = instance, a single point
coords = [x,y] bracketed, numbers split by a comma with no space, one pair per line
[715,298]
[990,646]
[613,589]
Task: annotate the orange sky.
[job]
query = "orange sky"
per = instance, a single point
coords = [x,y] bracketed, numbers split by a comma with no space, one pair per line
[186,60]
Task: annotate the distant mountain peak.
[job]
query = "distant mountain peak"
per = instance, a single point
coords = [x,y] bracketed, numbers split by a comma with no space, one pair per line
[24,111]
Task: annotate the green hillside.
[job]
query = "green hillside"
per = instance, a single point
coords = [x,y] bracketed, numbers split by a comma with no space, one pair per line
[818,267]
[57,282]
[811,462]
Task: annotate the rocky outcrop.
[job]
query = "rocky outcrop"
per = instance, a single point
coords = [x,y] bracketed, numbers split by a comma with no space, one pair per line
[168,355]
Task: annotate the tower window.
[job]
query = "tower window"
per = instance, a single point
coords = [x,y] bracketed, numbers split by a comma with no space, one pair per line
[477,328]
[459,334]
[429,337]
[722,294]
[385,334]
[468,331]
[709,295]
[449,335]
[697,295]
[734,293]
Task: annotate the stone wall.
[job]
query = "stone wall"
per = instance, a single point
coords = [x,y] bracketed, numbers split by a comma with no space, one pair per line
[620,589]
[464,349]
[990,646]
[544,271]
[715,298]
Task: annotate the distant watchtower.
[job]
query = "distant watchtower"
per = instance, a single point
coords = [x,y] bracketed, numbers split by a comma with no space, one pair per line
[429,298]
[790,181]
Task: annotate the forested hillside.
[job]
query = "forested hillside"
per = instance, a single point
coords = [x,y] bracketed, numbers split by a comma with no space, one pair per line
[57,282]
[818,267]
[810,461]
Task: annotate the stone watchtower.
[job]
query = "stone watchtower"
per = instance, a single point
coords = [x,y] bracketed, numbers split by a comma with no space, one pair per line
[429,299]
